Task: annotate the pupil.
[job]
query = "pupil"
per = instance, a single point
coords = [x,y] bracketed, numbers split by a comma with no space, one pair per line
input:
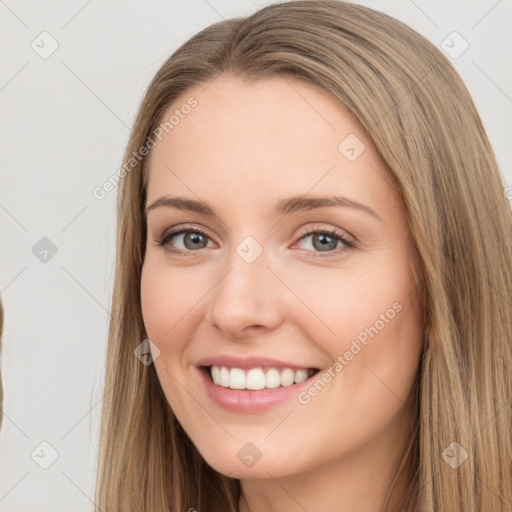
[194,238]
[326,242]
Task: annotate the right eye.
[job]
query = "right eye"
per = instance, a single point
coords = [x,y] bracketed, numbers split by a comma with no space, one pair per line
[191,240]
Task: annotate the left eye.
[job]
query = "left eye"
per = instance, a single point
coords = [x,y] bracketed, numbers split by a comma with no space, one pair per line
[326,241]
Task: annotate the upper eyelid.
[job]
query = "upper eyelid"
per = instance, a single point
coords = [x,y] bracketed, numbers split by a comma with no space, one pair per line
[181,229]
[304,230]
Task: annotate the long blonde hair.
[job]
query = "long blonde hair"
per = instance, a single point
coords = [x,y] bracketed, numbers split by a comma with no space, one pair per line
[421,119]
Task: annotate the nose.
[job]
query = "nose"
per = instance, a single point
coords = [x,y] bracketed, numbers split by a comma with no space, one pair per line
[247,299]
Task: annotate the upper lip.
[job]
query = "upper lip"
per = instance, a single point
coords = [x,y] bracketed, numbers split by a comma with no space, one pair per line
[250,362]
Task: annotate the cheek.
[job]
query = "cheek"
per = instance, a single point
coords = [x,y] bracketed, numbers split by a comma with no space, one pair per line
[162,310]
[340,305]
[168,311]
[155,301]
[374,338]
[369,317]
[169,298]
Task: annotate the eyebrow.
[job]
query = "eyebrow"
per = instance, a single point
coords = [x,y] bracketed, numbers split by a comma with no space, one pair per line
[283,206]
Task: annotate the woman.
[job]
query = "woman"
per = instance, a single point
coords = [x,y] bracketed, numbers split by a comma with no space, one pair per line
[340,337]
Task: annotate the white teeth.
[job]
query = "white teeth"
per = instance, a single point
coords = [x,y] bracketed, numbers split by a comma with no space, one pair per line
[215,374]
[300,376]
[287,377]
[255,378]
[272,379]
[223,377]
[236,378]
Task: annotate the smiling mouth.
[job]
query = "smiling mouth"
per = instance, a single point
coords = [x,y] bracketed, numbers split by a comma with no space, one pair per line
[255,379]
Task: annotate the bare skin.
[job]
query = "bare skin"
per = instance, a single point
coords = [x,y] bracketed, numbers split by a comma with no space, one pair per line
[305,299]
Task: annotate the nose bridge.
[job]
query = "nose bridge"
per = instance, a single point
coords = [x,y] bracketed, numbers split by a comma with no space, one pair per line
[246,294]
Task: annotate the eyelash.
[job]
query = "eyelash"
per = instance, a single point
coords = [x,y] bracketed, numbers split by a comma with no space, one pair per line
[348,243]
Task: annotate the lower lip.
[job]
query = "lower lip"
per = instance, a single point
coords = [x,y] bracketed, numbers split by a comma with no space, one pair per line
[248,401]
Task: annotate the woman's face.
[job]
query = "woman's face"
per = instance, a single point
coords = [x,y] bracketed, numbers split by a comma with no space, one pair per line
[284,251]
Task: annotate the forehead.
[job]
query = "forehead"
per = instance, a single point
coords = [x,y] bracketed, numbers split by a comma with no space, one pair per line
[273,137]
[282,112]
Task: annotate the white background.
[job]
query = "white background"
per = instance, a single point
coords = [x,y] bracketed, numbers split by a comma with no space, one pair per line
[65,121]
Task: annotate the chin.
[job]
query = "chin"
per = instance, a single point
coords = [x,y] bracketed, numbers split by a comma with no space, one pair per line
[245,460]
